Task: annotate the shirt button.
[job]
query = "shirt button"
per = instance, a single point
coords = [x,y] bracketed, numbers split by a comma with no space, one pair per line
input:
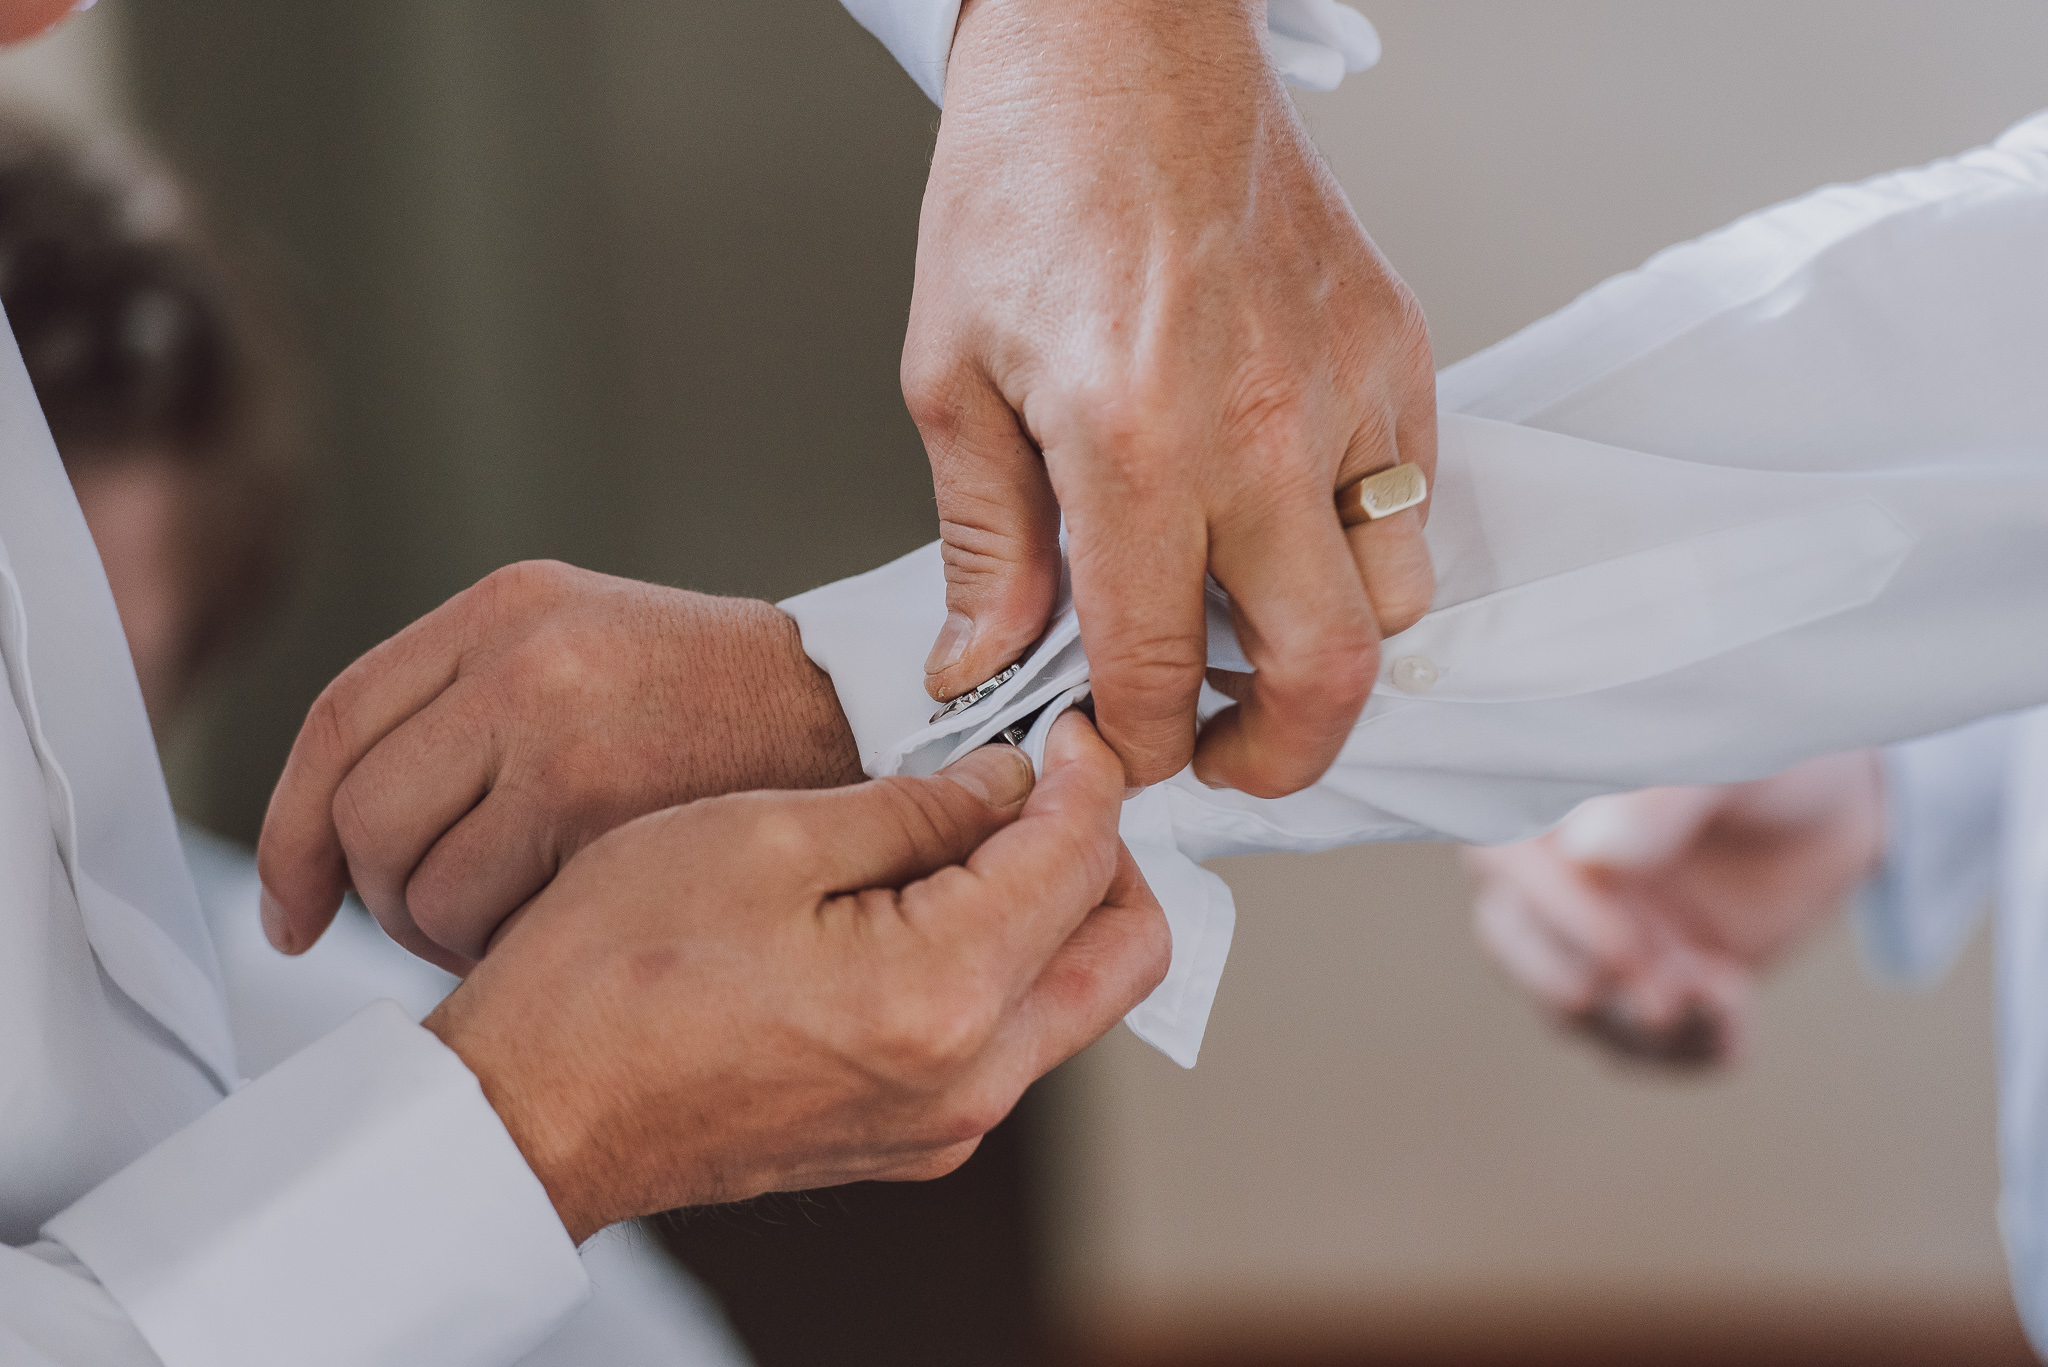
[1415,674]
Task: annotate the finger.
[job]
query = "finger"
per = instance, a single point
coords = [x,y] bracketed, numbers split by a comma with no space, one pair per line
[405,794]
[1557,977]
[299,855]
[1393,563]
[1098,976]
[1691,1017]
[1138,564]
[1023,892]
[998,528]
[1391,554]
[892,831]
[494,861]
[1638,831]
[1415,431]
[1307,628]
[1603,927]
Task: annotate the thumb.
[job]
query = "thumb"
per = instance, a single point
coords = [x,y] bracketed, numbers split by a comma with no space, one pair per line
[998,527]
[893,831]
[1638,830]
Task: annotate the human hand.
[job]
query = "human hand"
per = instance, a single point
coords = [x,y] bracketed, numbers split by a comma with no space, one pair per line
[1142,300]
[778,991]
[450,772]
[1646,917]
[23,19]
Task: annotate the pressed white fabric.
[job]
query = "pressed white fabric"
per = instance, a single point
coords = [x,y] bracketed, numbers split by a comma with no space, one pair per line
[1314,42]
[369,1166]
[643,1309]
[1780,492]
[362,1204]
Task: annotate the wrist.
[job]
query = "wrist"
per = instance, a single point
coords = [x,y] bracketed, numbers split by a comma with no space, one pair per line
[544,1130]
[1007,44]
[807,726]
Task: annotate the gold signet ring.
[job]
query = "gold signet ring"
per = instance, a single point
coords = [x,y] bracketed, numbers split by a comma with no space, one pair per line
[1381,495]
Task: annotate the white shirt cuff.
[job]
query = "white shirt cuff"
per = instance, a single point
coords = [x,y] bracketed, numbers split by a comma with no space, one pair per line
[359,1204]
[1314,42]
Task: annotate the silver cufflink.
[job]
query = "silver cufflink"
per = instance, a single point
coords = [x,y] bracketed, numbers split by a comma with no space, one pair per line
[978,692]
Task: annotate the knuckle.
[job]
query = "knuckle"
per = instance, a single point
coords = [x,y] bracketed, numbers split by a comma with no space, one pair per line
[973,1115]
[1133,436]
[445,919]
[356,823]
[778,838]
[926,1040]
[928,816]
[1269,419]
[527,586]
[1402,605]
[1330,675]
[931,381]
[1154,952]
[934,1165]
[325,734]
[1151,675]
[1417,356]
[552,663]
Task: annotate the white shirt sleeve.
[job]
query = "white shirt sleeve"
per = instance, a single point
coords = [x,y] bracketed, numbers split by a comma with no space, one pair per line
[360,1204]
[1314,42]
[1780,493]
[1944,800]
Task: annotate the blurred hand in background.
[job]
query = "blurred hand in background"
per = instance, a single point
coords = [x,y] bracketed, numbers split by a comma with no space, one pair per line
[1646,918]
[20,19]
[1143,302]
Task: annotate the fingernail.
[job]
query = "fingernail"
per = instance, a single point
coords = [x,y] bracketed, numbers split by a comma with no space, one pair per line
[1132,791]
[1606,831]
[276,928]
[952,643]
[999,775]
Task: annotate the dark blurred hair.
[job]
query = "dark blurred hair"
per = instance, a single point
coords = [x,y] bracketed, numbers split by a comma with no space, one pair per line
[141,345]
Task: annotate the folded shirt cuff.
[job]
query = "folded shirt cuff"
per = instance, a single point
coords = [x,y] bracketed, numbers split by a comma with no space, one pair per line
[359,1204]
[1314,42]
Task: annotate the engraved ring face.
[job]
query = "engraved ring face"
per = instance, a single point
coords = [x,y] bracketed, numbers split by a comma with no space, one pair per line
[977,693]
[1392,490]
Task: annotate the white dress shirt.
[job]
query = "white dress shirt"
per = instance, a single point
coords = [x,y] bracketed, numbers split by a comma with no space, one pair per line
[360,1204]
[1967,824]
[1782,491]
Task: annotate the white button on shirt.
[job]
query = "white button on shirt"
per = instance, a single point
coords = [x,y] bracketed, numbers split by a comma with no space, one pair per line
[1414,673]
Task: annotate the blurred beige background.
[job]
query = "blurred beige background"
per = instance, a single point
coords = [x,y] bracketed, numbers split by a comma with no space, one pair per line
[611,281]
